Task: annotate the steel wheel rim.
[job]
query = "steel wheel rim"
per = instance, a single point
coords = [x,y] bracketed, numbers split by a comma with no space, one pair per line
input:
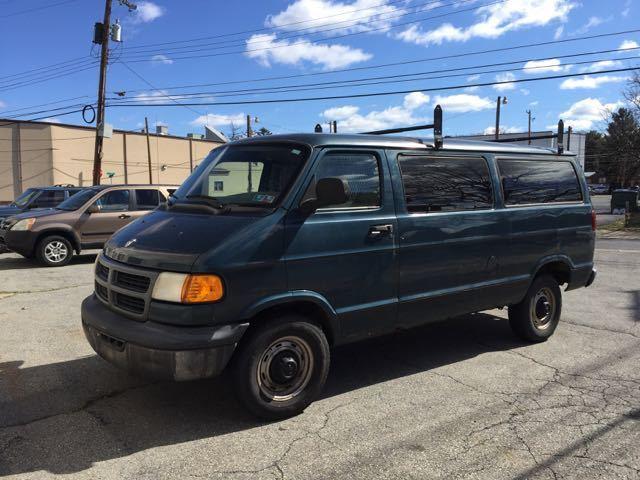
[56,251]
[543,308]
[290,347]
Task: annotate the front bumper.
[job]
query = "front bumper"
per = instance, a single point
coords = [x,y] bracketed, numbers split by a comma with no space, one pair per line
[158,350]
[22,242]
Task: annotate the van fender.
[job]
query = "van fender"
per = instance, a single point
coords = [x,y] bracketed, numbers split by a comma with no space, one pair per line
[290,298]
[564,259]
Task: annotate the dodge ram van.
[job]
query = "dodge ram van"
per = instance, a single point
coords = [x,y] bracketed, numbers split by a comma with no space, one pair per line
[278,248]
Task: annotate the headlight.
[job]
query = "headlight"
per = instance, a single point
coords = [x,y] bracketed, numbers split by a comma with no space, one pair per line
[24,225]
[183,288]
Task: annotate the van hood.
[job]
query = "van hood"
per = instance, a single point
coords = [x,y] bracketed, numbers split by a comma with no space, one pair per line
[175,241]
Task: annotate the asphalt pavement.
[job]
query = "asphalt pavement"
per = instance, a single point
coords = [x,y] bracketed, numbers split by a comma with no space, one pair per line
[461,399]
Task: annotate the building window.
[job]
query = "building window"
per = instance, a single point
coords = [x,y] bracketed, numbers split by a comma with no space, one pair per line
[218,186]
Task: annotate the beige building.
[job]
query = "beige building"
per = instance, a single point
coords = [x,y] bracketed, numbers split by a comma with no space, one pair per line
[34,154]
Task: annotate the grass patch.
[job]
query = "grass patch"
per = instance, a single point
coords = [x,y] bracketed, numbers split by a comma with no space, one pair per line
[618,226]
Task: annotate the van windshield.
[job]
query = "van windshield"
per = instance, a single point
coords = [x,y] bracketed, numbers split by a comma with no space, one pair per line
[244,175]
[78,200]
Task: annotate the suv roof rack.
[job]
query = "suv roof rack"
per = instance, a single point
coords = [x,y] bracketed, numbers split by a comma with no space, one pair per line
[436,126]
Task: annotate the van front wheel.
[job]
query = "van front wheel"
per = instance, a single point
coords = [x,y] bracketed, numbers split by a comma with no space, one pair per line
[536,317]
[281,367]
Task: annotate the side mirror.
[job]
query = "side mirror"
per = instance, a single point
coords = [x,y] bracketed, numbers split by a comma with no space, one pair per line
[93,209]
[329,191]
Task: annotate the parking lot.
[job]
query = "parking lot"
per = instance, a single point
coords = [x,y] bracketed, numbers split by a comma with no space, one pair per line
[462,399]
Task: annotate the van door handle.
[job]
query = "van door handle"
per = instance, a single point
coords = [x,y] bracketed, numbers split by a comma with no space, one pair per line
[124,216]
[379,231]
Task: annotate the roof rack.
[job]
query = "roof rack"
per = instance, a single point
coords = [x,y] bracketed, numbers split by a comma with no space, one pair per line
[436,126]
[559,136]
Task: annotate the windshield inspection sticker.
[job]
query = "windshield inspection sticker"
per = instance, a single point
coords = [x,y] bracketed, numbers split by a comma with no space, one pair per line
[264,198]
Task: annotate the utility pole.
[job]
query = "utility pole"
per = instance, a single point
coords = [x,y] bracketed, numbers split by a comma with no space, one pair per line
[335,126]
[101,36]
[501,101]
[529,129]
[146,127]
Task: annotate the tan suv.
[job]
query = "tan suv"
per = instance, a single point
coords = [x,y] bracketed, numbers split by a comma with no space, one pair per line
[84,221]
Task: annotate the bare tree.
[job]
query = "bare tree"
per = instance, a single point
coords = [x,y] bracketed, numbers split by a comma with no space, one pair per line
[632,92]
[235,132]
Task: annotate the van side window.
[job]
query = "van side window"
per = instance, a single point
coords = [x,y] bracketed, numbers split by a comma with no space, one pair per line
[445,184]
[147,199]
[49,198]
[359,171]
[528,181]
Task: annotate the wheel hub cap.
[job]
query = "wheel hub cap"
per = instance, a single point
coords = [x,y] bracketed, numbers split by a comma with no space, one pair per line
[543,308]
[284,369]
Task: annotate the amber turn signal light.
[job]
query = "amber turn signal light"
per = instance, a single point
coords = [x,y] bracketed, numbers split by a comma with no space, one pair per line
[202,289]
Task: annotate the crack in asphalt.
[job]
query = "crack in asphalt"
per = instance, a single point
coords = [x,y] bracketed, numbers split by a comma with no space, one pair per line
[602,329]
[46,290]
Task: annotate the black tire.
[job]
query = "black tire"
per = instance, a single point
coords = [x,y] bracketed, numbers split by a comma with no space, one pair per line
[536,317]
[285,345]
[54,251]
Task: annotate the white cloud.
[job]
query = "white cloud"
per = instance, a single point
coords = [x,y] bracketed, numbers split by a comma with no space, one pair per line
[147,12]
[525,91]
[219,120]
[628,44]
[541,66]
[415,100]
[161,96]
[558,33]
[2,104]
[339,113]
[627,8]
[473,78]
[161,59]
[505,77]
[535,103]
[589,82]
[351,120]
[583,115]
[161,123]
[492,130]
[463,102]
[51,120]
[298,51]
[602,65]
[358,16]
[591,23]
[494,21]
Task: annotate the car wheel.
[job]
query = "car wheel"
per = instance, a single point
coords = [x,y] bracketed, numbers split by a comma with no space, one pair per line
[54,251]
[281,367]
[536,317]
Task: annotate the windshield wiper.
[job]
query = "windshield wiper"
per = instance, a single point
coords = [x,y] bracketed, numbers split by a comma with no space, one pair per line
[213,201]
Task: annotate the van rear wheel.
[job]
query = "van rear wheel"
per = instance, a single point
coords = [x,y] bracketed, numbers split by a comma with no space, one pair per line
[281,367]
[54,251]
[536,317]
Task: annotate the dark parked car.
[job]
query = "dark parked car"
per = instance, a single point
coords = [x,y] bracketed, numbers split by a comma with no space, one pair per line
[32,198]
[278,248]
[83,221]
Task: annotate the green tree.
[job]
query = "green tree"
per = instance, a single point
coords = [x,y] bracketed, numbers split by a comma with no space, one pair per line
[263,132]
[623,145]
[596,153]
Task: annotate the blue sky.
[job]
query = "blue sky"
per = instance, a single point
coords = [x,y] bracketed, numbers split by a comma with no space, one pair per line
[295,37]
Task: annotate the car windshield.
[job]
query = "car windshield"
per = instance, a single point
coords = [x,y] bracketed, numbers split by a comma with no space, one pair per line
[24,199]
[78,200]
[244,175]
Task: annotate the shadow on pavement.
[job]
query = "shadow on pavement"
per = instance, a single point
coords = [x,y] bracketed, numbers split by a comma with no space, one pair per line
[12,262]
[143,415]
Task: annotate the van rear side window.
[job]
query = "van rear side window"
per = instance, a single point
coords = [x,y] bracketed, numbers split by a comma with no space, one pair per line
[445,184]
[529,182]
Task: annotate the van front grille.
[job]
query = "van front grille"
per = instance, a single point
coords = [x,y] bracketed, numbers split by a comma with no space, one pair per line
[131,304]
[124,289]
[137,283]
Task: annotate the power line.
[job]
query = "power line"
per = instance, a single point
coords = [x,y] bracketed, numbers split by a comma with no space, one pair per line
[46,67]
[37,9]
[401,63]
[13,86]
[370,80]
[376,94]
[315,29]
[43,104]
[495,2]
